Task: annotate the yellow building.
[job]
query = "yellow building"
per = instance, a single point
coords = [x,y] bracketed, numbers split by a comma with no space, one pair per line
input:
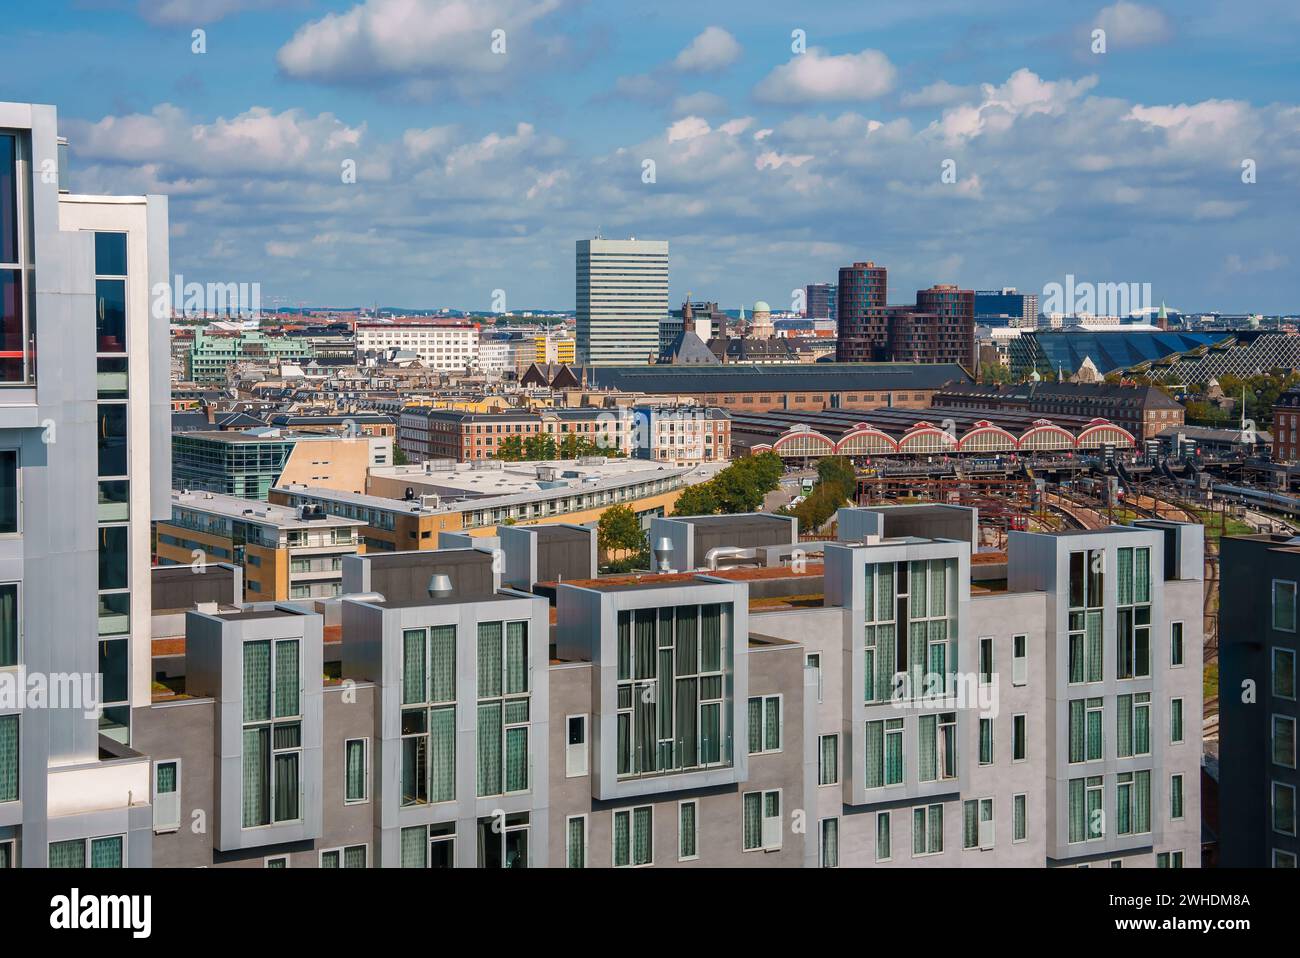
[286,553]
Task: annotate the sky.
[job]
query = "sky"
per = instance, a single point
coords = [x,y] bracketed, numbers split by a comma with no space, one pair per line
[427,153]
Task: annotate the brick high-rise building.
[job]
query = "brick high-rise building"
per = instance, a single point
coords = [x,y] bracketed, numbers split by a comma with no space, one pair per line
[953,335]
[863,331]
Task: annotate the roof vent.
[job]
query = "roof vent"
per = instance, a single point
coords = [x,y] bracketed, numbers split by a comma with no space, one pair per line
[439,586]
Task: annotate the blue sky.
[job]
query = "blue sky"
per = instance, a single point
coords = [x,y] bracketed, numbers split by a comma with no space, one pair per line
[477,170]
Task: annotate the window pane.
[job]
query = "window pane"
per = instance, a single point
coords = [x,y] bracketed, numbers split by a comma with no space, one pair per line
[8,492]
[13,346]
[70,854]
[489,660]
[355,770]
[112,438]
[286,678]
[113,557]
[106,852]
[257,681]
[8,625]
[8,758]
[110,254]
[110,315]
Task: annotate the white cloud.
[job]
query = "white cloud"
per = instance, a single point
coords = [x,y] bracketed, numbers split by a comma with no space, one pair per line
[714,49]
[1133,25]
[433,43]
[687,128]
[282,250]
[818,76]
[1024,94]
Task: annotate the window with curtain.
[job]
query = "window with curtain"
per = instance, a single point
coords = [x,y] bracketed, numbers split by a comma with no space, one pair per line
[688,831]
[351,856]
[927,830]
[828,760]
[671,668]
[1175,721]
[1175,797]
[761,826]
[830,850]
[354,770]
[577,842]
[1086,598]
[883,852]
[1019,817]
[970,833]
[504,708]
[413,846]
[634,836]
[986,741]
[9,748]
[1175,644]
[69,854]
[428,748]
[8,625]
[931,657]
[272,732]
[765,721]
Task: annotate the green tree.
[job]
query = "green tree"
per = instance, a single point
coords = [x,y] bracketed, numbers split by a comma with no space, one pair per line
[619,530]
[539,448]
[838,472]
[742,486]
[511,449]
[399,457]
[697,500]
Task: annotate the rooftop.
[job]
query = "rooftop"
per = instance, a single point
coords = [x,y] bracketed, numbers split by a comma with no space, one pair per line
[254,510]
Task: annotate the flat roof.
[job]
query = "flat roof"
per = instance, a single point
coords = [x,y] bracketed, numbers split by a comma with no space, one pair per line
[381,503]
[255,510]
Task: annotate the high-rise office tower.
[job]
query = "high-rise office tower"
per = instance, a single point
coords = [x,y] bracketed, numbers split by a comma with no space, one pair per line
[84,467]
[622,294]
[863,332]
[820,302]
[1006,307]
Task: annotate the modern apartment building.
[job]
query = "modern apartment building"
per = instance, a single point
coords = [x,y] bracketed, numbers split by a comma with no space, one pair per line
[507,709]
[1257,707]
[84,463]
[248,463]
[622,294]
[445,347]
[287,552]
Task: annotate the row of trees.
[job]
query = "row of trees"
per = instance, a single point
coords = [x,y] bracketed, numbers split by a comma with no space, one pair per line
[836,485]
[542,447]
[741,487]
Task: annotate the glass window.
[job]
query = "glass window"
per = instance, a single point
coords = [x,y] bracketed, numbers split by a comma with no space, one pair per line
[9,752]
[1021,826]
[1284,673]
[13,345]
[113,565]
[114,500]
[828,760]
[8,491]
[9,624]
[1175,644]
[576,841]
[1019,738]
[355,771]
[830,843]
[110,315]
[883,853]
[688,829]
[110,254]
[1283,605]
[112,439]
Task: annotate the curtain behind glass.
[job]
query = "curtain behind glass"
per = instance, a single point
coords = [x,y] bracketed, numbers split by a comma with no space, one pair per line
[442,663]
[753,820]
[936,828]
[355,765]
[516,657]
[489,747]
[1124,725]
[1142,575]
[413,670]
[831,843]
[622,838]
[255,785]
[711,733]
[286,787]
[642,835]
[257,681]
[1094,646]
[687,743]
[286,678]
[686,830]
[772,723]
[354,857]
[1078,818]
[875,754]
[8,758]
[489,660]
[577,843]
[516,759]
[442,754]
[1020,817]
[711,638]
[8,625]
[70,854]
[413,840]
[929,768]
[1142,802]
[106,852]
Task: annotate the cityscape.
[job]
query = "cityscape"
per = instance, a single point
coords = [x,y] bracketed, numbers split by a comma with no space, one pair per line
[973,546]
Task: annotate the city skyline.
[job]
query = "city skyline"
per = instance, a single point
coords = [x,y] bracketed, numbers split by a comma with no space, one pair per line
[475,172]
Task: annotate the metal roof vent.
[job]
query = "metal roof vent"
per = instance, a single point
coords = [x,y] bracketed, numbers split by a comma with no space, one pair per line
[439,586]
